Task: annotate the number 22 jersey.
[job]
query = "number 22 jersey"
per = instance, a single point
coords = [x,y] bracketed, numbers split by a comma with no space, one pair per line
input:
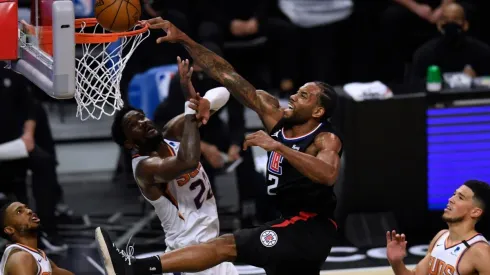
[187,210]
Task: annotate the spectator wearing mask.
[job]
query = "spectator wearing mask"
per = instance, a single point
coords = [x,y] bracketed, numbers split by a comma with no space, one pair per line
[405,26]
[453,50]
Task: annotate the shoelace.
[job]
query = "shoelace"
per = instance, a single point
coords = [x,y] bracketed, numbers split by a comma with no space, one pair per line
[128,254]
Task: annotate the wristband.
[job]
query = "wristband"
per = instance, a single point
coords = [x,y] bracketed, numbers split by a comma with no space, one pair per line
[188,110]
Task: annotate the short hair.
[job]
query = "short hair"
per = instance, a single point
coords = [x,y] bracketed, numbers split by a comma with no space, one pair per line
[117,130]
[328,99]
[481,191]
[3,220]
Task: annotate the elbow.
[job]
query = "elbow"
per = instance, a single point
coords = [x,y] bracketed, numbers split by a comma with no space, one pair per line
[329,178]
[190,162]
[193,163]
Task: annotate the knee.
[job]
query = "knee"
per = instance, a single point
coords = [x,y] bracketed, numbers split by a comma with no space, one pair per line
[225,247]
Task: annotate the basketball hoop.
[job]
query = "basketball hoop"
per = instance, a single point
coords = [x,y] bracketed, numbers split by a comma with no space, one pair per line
[98,71]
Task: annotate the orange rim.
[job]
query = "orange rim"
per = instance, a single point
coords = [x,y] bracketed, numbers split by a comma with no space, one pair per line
[93,38]
[88,38]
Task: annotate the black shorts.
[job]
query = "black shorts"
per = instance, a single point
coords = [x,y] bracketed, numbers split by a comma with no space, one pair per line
[294,245]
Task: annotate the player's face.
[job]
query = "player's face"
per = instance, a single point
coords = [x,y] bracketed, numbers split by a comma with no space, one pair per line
[140,131]
[20,219]
[303,105]
[461,206]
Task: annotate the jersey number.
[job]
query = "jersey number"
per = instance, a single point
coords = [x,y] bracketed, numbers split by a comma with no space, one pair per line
[203,189]
[271,189]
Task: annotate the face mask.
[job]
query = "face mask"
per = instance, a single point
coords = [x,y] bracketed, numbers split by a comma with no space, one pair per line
[452,30]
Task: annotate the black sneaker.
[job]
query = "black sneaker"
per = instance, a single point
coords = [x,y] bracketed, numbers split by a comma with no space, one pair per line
[116,261]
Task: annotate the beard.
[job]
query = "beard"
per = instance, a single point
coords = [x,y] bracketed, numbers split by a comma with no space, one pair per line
[293,120]
[25,230]
[152,143]
[452,219]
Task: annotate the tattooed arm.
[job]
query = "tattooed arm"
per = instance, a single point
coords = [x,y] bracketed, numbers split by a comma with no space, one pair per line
[265,105]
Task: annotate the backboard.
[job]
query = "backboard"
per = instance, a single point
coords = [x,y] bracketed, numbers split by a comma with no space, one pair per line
[42,50]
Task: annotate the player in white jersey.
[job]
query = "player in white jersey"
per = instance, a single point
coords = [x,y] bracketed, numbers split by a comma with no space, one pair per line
[459,250]
[21,226]
[186,208]
[168,172]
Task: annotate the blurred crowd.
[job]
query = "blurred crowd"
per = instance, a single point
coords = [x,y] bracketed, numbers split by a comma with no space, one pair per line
[280,44]
[277,45]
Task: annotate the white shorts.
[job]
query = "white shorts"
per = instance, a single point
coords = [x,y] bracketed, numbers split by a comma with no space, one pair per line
[221,269]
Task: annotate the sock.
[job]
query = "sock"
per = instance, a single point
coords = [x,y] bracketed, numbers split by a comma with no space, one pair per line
[148,266]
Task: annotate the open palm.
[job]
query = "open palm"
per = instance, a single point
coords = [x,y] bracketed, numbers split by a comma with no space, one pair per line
[396,246]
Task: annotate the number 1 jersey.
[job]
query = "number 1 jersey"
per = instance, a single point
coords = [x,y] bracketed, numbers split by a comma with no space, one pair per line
[187,208]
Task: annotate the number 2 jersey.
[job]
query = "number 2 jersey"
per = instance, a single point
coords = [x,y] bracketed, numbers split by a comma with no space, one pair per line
[187,210]
[294,192]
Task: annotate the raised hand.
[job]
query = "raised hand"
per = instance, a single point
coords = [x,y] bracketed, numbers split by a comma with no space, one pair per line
[174,34]
[202,107]
[261,139]
[185,74]
[396,246]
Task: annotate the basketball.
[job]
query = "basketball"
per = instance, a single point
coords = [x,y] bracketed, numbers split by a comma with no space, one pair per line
[117,15]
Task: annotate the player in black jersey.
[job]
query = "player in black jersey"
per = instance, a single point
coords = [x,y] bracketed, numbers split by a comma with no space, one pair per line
[304,158]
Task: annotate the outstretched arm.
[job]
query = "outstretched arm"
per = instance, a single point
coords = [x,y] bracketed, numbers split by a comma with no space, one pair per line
[266,106]
[186,160]
[212,101]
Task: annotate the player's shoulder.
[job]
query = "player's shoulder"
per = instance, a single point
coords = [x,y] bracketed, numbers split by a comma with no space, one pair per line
[269,103]
[146,166]
[439,235]
[436,238]
[324,140]
[20,256]
[21,261]
[478,251]
[481,249]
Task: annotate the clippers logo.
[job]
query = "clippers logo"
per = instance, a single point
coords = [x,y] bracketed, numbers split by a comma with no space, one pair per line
[274,164]
[268,238]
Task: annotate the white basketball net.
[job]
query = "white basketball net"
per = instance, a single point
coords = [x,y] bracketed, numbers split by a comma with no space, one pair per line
[99,72]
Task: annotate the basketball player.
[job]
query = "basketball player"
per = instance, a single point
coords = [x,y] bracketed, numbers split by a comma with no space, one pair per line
[171,178]
[304,156]
[459,250]
[21,226]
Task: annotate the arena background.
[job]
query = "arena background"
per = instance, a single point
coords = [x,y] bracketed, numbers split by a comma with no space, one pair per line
[394,175]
